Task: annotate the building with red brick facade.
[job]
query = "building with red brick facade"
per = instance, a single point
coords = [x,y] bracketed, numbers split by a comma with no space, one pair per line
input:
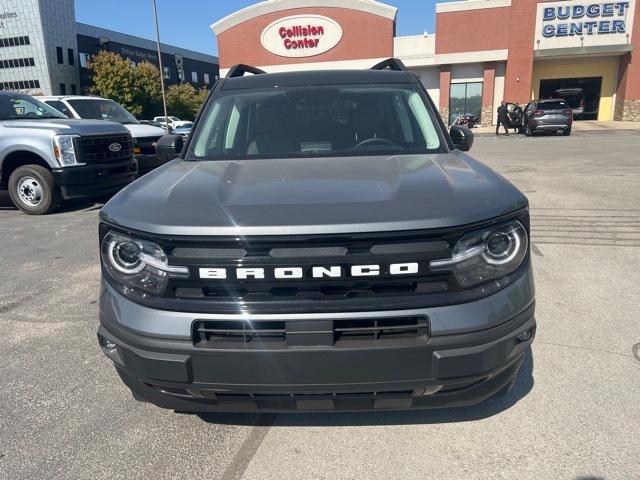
[482,52]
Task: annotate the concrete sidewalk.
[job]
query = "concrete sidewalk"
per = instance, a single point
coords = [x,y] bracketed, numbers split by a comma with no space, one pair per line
[578,126]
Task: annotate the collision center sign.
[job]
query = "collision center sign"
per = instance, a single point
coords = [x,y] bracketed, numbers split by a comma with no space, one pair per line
[301,36]
[582,24]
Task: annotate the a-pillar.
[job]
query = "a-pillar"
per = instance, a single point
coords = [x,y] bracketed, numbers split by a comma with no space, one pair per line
[488,87]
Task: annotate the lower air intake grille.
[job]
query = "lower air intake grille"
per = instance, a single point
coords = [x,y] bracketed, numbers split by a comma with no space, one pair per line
[220,334]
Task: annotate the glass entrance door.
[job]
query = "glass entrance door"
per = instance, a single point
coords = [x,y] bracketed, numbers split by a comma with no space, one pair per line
[465,99]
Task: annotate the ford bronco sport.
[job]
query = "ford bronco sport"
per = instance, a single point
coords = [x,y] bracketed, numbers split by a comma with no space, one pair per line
[319,244]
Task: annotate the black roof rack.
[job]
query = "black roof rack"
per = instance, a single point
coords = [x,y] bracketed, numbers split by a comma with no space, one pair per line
[391,64]
[240,69]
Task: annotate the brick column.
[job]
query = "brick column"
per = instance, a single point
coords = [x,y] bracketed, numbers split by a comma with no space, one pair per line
[627,105]
[519,71]
[445,83]
[488,88]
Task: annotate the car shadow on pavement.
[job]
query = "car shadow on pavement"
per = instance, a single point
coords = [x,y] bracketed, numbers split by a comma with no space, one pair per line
[485,409]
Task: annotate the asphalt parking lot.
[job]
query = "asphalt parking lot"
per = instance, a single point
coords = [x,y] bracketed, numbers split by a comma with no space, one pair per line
[574,413]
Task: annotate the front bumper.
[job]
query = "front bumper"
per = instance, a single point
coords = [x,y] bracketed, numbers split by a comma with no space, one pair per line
[96,179]
[450,369]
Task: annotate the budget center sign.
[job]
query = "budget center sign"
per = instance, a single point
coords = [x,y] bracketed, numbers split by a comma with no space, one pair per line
[573,24]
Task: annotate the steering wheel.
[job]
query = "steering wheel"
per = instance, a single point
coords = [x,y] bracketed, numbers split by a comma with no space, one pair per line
[374,140]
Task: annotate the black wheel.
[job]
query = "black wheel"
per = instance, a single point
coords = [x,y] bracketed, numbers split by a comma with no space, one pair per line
[33,190]
[567,132]
[527,130]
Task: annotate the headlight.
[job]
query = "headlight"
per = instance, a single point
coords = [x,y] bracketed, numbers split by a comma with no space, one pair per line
[486,255]
[64,150]
[137,265]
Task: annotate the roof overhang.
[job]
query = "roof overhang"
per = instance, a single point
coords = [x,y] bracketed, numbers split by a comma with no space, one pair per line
[271,6]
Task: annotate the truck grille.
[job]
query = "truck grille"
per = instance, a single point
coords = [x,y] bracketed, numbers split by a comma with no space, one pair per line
[351,333]
[95,149]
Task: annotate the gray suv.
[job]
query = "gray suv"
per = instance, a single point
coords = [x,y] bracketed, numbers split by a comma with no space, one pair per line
[46,158]
[320,242]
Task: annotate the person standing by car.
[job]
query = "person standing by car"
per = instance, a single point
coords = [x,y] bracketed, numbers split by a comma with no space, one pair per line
[503,118]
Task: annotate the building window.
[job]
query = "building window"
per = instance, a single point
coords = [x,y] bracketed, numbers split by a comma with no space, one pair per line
[194,77]
[73,88]
[22,84]
[465,99]
[206,78]
[70,56]
[14,41]
[17,62]
[63,89]
[59,55]
[84,59]
[166,73]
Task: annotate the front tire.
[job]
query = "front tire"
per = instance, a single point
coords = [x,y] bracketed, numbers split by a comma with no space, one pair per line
[33,190]
[566,132]
[527,130]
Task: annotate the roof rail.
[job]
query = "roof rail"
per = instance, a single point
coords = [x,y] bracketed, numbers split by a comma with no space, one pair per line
[391,64]
[240,69]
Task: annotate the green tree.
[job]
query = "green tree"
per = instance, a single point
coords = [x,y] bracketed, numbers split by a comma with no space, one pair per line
[114,77]
[148,90]
[184,100]
[135,87]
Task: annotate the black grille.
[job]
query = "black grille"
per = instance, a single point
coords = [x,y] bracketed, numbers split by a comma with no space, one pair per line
[327,293]
[147,145]
[339,333]
[98,149]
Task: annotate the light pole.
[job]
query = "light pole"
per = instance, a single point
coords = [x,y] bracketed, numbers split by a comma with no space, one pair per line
[164,98]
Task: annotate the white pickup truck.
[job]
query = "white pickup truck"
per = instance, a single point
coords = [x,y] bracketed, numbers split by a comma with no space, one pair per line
[46,157]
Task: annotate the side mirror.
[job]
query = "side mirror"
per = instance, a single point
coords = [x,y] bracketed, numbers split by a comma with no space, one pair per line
[462,137]
[169,147]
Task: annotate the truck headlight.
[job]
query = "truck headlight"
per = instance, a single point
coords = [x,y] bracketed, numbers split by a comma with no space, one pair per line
[487,254]
[64,150]
[137,265]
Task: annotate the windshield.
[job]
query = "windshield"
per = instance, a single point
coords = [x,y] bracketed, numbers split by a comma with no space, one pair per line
[101,109]
[314,121]
[19,106]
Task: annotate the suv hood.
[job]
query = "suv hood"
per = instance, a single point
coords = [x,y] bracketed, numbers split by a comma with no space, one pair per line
[67,126]
[313,196]
[139,130]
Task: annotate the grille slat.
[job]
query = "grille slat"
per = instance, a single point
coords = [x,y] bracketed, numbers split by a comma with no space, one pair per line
[95,149]
[283,334]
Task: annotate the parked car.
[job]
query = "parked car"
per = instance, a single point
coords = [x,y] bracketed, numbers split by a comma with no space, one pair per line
[173,121]
[183,129]
[575,98]
[333,249]
[46,158]
[153,124]
[552,115]
[98,108]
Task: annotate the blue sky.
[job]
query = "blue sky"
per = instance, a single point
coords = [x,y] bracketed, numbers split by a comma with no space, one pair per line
[185,23]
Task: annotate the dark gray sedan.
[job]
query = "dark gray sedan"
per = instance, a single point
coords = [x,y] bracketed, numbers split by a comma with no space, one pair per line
[552,115]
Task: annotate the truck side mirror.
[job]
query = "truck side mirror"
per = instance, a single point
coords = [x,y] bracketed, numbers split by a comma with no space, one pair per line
[462,137]
[169,147]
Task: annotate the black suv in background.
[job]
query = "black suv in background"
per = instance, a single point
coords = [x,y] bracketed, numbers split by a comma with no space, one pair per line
[553,115]
[320,243]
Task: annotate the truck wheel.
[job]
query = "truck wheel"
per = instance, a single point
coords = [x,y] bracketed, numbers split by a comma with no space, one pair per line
[33,190]
[567,132]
